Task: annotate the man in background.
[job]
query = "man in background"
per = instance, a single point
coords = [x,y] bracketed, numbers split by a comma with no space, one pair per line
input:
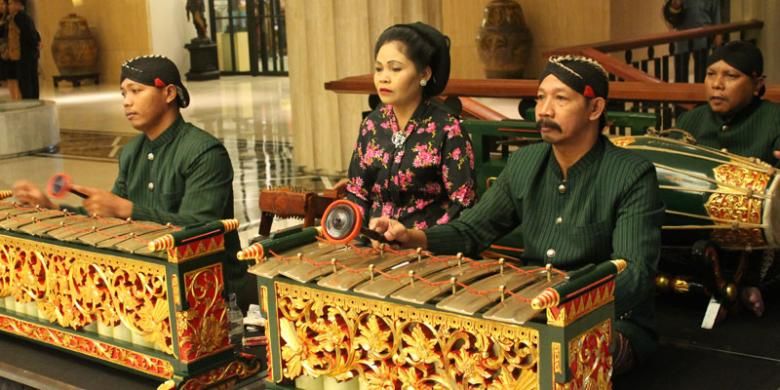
[687,14]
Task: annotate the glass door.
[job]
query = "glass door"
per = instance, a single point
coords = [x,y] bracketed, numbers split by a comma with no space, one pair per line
[250,36]
[271,41]
[229,31]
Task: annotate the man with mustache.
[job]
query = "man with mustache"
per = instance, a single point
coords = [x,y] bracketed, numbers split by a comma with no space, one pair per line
[172,172]
[577,198]
[737,119]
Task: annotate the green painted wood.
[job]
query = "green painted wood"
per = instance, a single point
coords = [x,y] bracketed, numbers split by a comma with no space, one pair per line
[289,240]
[638,122]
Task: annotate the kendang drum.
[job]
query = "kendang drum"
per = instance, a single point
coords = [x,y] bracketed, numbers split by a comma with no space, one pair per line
[411,319]
[716,202]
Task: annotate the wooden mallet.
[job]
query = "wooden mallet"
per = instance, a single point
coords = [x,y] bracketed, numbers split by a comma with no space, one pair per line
[60,184]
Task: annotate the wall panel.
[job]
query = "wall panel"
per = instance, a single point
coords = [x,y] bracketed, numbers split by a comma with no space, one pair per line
[553,23]
[120,27]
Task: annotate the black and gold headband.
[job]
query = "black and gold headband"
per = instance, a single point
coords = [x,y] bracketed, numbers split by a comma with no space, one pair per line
[158,71]
[582,74]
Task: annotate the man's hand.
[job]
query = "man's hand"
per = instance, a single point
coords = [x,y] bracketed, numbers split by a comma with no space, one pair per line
[777,154]
[397,232]
[28,194]
[390,228]
[102,203]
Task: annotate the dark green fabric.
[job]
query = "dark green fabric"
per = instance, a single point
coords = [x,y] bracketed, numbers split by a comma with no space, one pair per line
[753,132]
[192,182]
[610,209]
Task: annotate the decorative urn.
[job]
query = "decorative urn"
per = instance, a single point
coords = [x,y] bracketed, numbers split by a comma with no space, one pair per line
[504,40]
[74,48]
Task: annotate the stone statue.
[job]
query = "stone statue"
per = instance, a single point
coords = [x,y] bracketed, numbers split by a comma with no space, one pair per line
[198,11]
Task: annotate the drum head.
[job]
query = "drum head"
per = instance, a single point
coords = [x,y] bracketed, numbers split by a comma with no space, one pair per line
[59,185]
[341,222]
[771,217]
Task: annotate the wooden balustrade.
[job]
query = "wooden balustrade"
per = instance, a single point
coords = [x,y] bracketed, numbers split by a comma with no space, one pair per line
[665,38]
[478,110]
[651,57]
[506,88]
[662,57]
[637,84]
[662,99]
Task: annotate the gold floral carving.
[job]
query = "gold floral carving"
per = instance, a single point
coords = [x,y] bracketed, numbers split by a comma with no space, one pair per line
[175,289]
[264,308]
[74,288]
[731,205]
[396,346]
[623,141]
[121,356]
[232,370]
[202,329]
[556,356]
[590,361]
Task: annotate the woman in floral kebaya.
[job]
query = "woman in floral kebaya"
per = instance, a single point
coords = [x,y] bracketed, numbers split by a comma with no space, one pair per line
[412,161]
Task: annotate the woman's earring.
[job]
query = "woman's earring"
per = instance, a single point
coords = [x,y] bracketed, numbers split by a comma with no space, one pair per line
[423,82]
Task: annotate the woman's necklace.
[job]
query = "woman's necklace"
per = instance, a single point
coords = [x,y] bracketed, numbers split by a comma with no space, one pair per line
[399,138]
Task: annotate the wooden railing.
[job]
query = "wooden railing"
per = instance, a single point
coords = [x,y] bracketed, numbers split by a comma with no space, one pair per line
[660,58]
[652,57]
[639,96]
[623,91]
[620,91]
[477,110]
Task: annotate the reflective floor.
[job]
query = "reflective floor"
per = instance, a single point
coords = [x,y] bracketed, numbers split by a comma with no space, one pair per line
[251,115]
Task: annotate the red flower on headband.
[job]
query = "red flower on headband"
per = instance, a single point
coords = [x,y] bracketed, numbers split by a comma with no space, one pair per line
[158,83]
[588,93]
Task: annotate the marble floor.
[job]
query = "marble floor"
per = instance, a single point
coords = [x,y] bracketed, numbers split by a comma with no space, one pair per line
[251,115]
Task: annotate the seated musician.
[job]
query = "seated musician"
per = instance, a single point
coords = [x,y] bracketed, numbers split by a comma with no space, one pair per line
[172,172]
[412,161]
[577,198]
[737,119]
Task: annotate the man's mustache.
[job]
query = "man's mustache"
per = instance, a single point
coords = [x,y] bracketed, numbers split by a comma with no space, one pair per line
[548,123]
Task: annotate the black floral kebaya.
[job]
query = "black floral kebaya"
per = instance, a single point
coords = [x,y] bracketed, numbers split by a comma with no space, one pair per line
[422,175]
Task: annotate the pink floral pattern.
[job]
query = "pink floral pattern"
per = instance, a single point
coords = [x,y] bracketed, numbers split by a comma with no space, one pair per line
[355,187]
[427,181]
[403,180]
[427,156]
